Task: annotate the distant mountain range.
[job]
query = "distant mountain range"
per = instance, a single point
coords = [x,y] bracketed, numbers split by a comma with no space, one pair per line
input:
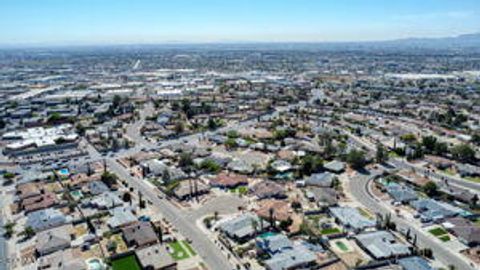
[461,41]
[467,42]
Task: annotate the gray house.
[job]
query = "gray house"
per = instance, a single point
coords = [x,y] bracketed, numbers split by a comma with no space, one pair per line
[53,240]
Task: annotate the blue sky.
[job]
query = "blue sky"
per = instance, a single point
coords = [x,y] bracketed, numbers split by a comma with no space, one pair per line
[158,21]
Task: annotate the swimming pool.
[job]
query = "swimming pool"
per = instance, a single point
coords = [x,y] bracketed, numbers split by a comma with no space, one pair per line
[64,171]
[95,264]
[76,194]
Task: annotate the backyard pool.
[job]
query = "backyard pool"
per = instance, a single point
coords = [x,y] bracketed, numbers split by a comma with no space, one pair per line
[95,264]
[76,194]
[64,171]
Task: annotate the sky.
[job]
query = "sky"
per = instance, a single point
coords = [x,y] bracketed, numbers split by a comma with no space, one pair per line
[90,22]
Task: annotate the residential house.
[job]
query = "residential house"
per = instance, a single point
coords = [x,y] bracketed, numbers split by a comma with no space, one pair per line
[414,263]
[382,245]
[432,210]
[189,188]
[465,230]
[241,227]
[281,166]
[400,193]
[38,202]
[320,179]
[268,189]
[28,190]
[97,187]
[121,216]
[155,257]
[273,244]
[45,219]
[282,210]
[106,200]
[335,166]
[467,170]
[61,260]
[52,240]
[351,218]
[284,255]
[229,180]
[139,234]
[240,166]
[325,197]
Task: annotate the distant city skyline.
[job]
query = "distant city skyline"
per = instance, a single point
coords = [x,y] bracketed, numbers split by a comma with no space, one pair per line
[104,22]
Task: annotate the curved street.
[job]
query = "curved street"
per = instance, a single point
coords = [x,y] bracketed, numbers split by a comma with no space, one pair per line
[358,186]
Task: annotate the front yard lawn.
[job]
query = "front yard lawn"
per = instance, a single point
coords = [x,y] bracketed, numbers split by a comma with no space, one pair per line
[341,246]
[473,179]
[242,190]
[178,252]
[437,231]
[440,233]
[444,238]
[330,231]
[190,249]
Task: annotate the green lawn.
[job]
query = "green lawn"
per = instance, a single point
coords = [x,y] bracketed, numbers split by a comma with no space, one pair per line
[240,190]
[190,249]
[330,231]
[449,171]
[364,212]
[444,238]
[440,233]
[341,246]
[473,179]
[437,231]
[126,263]
[477,222]
[179,253]
[392,154]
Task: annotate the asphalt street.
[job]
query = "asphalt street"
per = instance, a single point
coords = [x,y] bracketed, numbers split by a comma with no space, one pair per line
[359,190]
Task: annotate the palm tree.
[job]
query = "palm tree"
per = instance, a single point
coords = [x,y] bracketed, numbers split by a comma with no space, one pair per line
[255,226]
[271,219]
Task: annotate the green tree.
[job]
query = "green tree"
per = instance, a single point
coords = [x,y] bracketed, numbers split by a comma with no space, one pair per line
[109,179]
[117,100]
[408,138]
[9,229]
[185,160]
[381,154]
[429,143]
[54,118]
[230,143]
[430,188]
[440,149]
[179,128]
[356,159]
[28,232]
[127,197]
[463,152]
[166,176]
[475,138]
[9,175]
[310,164]
[212,124]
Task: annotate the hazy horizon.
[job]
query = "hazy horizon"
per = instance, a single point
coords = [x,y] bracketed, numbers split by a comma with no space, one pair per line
[120,22]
